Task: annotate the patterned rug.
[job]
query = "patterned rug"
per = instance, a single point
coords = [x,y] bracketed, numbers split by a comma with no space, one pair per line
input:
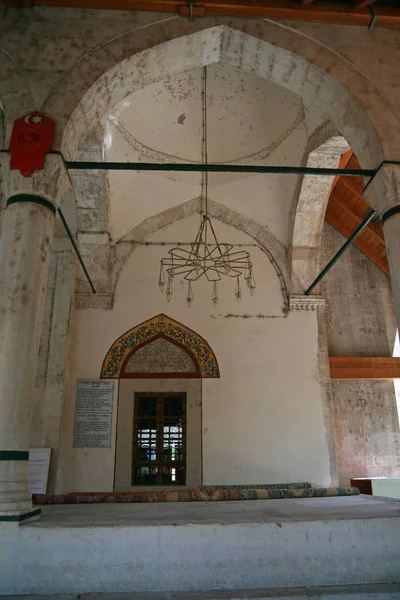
[204,494]
[263,486]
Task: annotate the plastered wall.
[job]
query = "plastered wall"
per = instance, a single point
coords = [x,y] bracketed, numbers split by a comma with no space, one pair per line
[263,419]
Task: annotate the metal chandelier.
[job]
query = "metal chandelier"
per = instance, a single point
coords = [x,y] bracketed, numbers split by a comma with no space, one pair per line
[207,256]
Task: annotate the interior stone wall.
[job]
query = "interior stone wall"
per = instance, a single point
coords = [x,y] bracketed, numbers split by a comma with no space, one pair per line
[49,57]
[92,218]
[360,322]
[2,209]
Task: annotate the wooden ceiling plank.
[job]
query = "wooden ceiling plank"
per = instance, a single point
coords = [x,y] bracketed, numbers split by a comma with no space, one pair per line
[364,368]
[337,13]
[352,189]
[347,208]
[346,231]
[371,228]
[343,162]
[367,238]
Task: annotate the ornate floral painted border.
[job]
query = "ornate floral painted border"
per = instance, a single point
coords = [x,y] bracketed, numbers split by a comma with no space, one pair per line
[145,332]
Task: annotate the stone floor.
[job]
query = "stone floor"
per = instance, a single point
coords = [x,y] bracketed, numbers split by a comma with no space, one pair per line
[358,592]
[259,511]
[171,548]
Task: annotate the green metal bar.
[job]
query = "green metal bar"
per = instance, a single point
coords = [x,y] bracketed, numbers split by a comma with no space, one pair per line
[31,198]
[18,518]
[14,455]
[215,168]
[339,253]
[383,163]
[78,254]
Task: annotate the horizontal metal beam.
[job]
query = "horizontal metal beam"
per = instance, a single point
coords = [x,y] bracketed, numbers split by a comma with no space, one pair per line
[337,12]
[215,168]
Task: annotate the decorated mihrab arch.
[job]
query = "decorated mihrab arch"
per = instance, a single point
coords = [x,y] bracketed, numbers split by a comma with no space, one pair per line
[160,347]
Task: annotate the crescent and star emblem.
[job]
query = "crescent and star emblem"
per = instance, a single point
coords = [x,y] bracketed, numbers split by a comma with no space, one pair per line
[35,119]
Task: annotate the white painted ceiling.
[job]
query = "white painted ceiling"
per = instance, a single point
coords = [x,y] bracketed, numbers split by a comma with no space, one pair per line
[250,120]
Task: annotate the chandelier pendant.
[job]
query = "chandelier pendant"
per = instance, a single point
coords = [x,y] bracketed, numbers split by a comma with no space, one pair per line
[208,258]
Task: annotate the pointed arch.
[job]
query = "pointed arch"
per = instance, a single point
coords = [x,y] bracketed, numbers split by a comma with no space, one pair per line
[204,359]
[309,214]
[250,47]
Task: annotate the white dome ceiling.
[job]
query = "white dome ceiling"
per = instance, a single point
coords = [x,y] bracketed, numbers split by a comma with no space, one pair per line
[246,115]
[250,120]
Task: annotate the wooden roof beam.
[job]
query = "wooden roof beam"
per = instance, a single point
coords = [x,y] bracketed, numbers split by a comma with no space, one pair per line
[359,243]
[341,13]
[358,218]
[362,3]
[364,368]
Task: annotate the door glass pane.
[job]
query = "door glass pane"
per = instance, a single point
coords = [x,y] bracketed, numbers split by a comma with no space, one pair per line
[147,407]
[145,476]
[159,440]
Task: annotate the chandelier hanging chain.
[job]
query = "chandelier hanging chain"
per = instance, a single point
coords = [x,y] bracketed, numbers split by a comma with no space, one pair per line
[207,256]
[205,140]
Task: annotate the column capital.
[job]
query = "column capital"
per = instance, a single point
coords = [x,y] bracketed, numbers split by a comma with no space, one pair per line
[307,303]
[383,193]
[51,183]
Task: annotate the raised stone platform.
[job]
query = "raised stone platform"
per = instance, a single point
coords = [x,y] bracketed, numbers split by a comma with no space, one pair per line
[77,549]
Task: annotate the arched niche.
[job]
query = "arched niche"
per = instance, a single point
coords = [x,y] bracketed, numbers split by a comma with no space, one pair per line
[131,354]
[269,245]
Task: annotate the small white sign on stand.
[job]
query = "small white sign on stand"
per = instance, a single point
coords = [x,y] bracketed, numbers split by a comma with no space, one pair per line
[38,469]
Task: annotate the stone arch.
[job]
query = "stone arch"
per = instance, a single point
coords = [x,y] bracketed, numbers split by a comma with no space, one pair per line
[92,214]
[191,342]
[310,211]
[91,188]
[272,248]
[261,48]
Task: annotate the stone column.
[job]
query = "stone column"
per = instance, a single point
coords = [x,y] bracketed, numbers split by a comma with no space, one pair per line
[383,193]
[25,246]
[53,377]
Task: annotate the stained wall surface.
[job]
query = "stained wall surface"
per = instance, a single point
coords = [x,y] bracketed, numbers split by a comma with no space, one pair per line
[361,322]
[269,418]
[262,421]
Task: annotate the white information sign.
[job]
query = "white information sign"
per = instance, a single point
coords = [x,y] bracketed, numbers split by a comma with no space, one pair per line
[93,414]
[38,469]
